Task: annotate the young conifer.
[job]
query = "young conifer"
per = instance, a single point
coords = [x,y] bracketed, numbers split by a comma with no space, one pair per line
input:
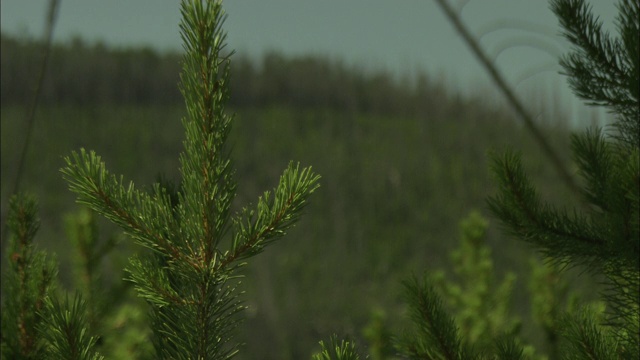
[189,278]
[344,350]
[27,282]
[65,327]
[35,325]
[479,302]
[604,237]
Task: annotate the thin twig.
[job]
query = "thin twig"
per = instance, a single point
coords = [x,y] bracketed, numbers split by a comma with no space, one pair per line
[52,16]
[513,100]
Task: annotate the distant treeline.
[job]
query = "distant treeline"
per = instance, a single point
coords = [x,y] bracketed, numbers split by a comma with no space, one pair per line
[81,74]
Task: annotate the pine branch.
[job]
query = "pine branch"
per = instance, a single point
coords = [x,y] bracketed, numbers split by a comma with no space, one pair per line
[555,231]
[598,53]
[604,70]
[345,350]
[274,217]
[28,281]
[479,303]
[146,219]
[506,348]
[82,230]
[606,237]
[594,160]
[66,328]
[436,336]
[206,170]
[584,339]
[188,280]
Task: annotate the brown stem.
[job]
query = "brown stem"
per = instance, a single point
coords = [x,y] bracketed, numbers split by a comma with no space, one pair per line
[510,95]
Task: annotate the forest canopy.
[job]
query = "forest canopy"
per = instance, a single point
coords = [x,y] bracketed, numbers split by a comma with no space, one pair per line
[80,74]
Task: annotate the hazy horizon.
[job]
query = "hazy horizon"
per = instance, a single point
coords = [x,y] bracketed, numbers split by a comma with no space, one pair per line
[400,37]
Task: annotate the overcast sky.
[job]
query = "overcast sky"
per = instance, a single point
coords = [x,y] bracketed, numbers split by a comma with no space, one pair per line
[402,36]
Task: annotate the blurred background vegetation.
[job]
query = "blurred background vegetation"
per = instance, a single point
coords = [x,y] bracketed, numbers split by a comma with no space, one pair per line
[403,161]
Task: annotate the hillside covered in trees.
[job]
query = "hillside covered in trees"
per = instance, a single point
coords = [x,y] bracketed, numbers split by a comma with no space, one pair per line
[83,74]
[402,163]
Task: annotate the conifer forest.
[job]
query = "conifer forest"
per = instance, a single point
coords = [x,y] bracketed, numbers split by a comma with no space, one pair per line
[207,205]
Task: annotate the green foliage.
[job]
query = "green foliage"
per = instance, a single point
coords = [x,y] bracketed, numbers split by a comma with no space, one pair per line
[481,306]
[189,278]
[27,284]
[116,319]
[551,302]
[83,74]
[83,233]
[378,336]
[479,303]
[364,235]
[583,337]
[604,240]
[125,332]
[506,347]
[548,292]
[605,237]
[345,350]
[603,70]
[435,335]
[66,328]
[35,324]
[360,238]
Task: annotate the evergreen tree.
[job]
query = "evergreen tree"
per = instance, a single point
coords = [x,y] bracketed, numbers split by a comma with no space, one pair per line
[83,233]
[35,325]
[479,302]
[189,277]
[66,329]
[602,235]
[27,282]
[109,304]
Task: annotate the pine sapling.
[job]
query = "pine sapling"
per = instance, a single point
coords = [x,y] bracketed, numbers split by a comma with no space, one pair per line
[189,277]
